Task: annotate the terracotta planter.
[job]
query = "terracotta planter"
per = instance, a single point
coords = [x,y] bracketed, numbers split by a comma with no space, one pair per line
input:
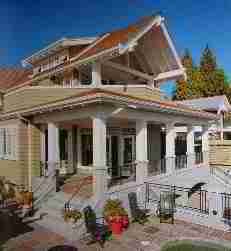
[26,199]
[116,227]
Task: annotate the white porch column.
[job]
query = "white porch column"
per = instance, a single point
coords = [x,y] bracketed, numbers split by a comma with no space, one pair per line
[53,148]
[190,147]
[205,144]
[96,73]
[170,148]
[141,151]
[99,158]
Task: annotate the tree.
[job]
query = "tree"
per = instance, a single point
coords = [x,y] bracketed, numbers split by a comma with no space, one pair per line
[203,81]
[208,62]
[182,86]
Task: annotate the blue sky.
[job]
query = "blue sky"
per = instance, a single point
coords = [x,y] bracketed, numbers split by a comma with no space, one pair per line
[30,25]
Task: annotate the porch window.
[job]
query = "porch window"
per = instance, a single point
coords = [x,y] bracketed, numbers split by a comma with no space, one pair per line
[87,149]
[63,142]
[198,147]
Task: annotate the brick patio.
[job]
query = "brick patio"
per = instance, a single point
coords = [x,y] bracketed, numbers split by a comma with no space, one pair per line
[154,233]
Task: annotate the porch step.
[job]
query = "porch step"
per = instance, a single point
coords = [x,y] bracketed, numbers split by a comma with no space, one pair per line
[57,225]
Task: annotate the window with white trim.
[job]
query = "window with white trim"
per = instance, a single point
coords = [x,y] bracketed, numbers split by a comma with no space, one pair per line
[8,143]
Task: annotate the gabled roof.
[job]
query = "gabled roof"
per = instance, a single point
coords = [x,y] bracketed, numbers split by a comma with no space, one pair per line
[13,76]
[120,36]
[56,46]
[215,103]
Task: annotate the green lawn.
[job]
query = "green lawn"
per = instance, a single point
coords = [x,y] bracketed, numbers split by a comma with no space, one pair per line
[187,245]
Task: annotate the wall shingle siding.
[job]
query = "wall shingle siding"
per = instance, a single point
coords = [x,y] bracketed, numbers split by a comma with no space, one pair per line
[220,153]
[17,170]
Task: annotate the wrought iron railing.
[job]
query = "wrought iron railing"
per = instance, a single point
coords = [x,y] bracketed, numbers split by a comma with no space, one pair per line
[187,198]
[226,205]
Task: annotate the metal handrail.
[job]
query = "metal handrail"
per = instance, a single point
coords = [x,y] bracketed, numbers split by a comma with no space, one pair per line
[88,179]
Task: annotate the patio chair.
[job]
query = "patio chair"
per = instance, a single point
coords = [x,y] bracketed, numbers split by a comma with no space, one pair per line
[138,215]
[99,232]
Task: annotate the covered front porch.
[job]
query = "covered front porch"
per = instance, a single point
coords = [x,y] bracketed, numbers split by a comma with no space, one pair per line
[118,145]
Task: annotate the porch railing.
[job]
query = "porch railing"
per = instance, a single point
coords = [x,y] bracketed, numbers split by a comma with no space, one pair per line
[226,205]
[198,157]
[187,198]
[122,174]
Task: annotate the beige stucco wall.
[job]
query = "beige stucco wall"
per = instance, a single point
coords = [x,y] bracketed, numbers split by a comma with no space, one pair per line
[220,152]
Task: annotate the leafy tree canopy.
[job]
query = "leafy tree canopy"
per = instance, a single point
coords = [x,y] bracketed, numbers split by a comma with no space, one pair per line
[204,80]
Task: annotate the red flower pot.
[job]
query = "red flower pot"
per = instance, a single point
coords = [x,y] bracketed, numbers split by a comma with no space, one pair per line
[116,227]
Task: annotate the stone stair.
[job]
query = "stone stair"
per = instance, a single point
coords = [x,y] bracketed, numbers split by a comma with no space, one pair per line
[49,211]
[221,175]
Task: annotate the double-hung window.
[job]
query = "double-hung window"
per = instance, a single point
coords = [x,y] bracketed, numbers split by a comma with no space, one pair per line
[8,143]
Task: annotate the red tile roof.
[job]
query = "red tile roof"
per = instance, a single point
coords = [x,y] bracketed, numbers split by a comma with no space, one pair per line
[118,36]
[13,76]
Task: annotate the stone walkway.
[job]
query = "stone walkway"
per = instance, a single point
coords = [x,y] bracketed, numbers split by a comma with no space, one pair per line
[152,233]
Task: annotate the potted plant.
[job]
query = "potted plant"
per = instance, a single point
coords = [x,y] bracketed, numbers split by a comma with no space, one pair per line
[71,215]
[115,215]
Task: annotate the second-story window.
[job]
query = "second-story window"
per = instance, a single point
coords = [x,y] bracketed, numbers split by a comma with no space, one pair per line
[56,60]
[67,82]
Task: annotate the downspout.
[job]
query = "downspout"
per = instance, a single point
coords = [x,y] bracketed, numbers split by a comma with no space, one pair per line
[29,134]
[222,125]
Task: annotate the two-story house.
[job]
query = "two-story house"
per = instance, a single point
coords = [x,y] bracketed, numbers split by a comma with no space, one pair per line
[93,105]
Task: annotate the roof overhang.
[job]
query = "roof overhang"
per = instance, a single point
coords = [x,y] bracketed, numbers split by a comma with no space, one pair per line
[56,46]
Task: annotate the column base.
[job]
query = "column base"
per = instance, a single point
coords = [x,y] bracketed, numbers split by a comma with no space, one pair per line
[100,180]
